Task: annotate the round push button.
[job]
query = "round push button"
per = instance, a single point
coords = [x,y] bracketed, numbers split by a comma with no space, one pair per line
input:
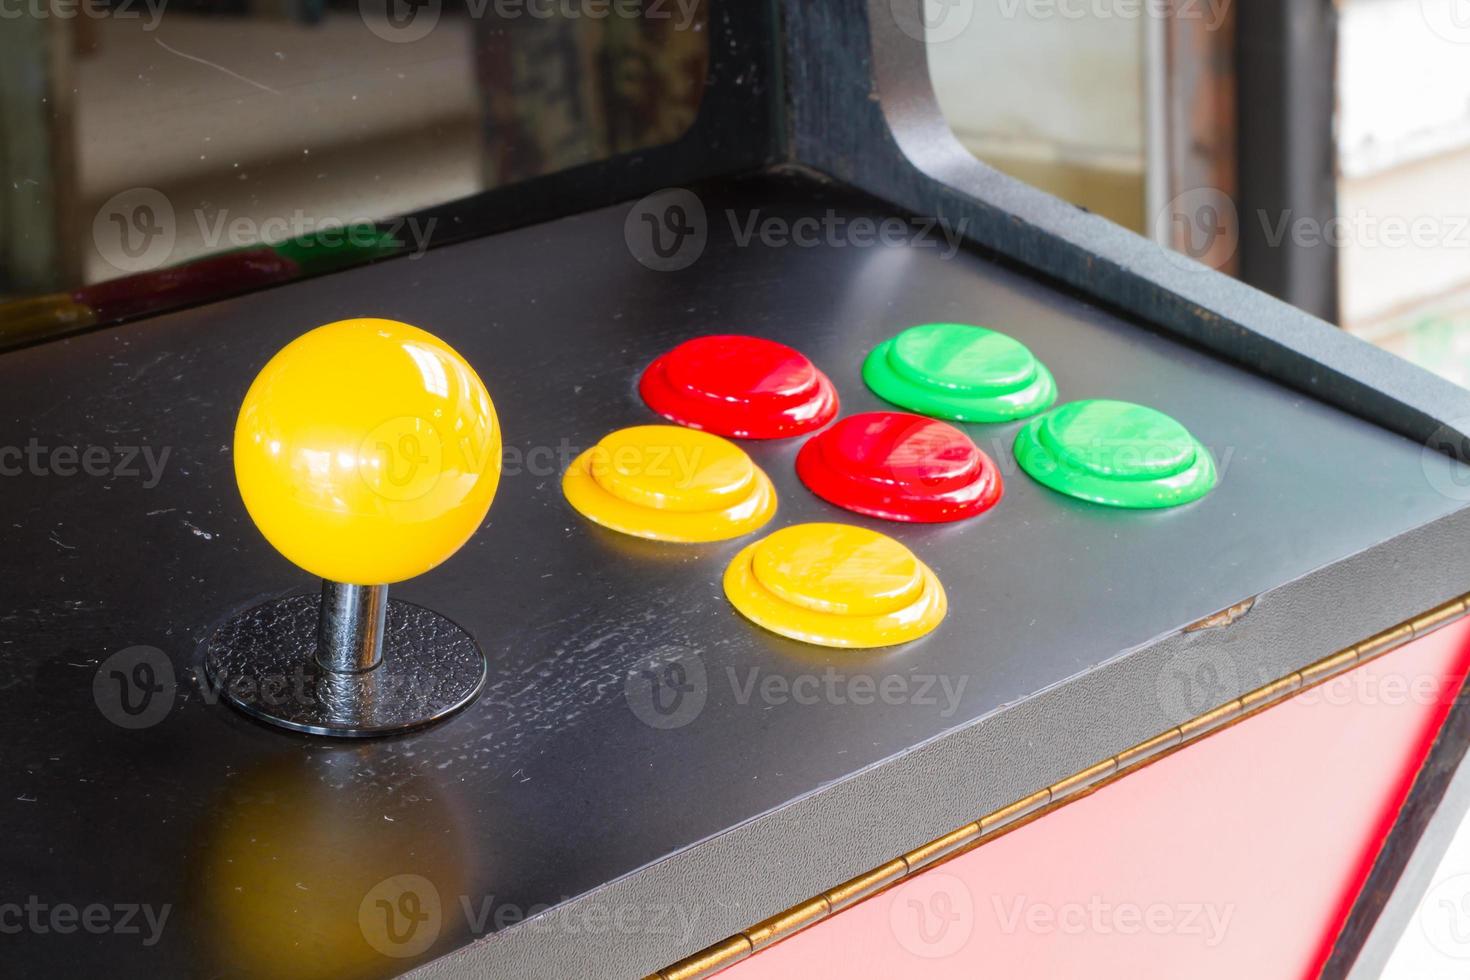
[1116,453]
[670,484]
[835,585]
[745,387]
[665,468]
[839,569]
[899,467]
[960,372]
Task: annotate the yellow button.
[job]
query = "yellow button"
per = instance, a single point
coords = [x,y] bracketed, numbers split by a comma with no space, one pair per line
[836,585]
[367,451]
[670,483]
[672,468]
[838,568]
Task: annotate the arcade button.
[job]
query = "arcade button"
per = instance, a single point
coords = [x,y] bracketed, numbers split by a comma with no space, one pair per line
[899,467]
[960,372]
[835,585]
[1116,453]
[366,452]
[744,387]
[669,483]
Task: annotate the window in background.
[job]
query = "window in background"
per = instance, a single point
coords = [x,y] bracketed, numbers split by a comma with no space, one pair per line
[1403,144]
[1123,107]
[1130,110]
[1057,101]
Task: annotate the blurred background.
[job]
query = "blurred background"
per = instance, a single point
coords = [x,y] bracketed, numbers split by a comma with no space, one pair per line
[276,138]
[1319,150]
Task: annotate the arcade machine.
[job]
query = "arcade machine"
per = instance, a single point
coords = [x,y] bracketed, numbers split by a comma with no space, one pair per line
[613,595]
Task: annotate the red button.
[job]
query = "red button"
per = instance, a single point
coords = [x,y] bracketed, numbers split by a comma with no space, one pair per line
[899,467]
[737,386]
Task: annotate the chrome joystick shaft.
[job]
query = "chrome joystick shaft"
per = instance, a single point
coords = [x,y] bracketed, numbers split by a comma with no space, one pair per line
[349,636]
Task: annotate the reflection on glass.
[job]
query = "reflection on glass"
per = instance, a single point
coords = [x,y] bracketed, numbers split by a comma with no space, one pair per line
[158,154]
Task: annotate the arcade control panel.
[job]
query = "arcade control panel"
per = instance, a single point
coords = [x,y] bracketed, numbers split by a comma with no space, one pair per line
[701,581]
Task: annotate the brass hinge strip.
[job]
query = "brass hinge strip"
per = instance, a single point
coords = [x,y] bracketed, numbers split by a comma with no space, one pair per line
[725,953]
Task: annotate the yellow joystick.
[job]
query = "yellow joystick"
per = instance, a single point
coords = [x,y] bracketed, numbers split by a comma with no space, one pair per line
[367,452]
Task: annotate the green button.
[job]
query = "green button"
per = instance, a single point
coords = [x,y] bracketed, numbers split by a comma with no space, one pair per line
[960,372]
[972,359]
[1118,440]
[1116,453]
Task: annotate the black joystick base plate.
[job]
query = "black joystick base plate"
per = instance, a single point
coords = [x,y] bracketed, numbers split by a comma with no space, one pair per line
[263,662]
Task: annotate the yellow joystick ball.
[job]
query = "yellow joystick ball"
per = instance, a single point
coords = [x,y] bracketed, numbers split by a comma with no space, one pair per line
[367,451]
